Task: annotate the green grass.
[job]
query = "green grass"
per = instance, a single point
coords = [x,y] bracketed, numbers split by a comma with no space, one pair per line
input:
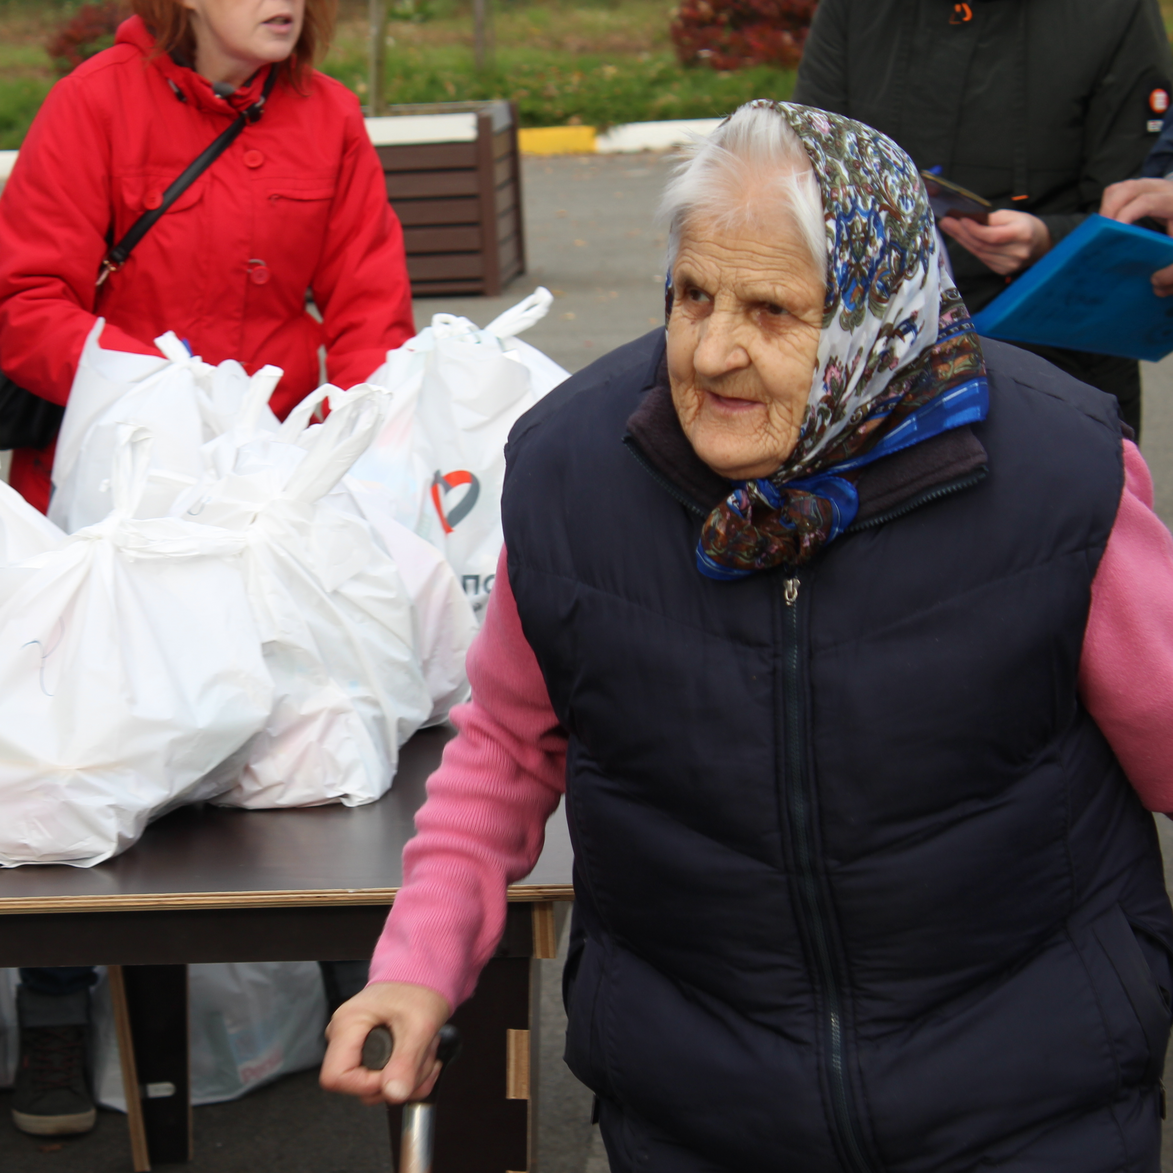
[26,72]
[553,88]
[20,99]
[596,62]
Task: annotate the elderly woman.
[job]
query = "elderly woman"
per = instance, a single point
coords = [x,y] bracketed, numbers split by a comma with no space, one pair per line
[851,642]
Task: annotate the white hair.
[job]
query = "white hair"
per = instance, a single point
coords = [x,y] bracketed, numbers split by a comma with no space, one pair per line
[752,167]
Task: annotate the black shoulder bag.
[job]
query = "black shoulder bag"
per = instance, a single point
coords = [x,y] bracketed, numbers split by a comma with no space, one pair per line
[27,420]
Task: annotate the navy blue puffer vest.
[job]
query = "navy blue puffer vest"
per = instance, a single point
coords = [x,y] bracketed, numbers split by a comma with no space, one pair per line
[860,884]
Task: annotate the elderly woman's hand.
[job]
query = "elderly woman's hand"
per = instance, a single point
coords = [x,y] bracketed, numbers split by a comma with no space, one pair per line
[414,1015]
[1008,243]
[1133,200]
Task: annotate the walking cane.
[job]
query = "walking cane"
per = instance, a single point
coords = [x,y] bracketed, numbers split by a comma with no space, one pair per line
[419,1116]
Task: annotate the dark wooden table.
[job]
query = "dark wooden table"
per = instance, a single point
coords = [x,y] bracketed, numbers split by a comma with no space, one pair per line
[211,884]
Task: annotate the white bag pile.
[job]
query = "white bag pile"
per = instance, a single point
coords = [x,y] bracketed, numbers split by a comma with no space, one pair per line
[336,621]
[224,607]
[132,679]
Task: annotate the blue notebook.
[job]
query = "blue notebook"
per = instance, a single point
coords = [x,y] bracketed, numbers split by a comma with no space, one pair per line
[1091,292]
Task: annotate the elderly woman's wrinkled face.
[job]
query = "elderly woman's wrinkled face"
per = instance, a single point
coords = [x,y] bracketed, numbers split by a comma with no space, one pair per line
[743,338]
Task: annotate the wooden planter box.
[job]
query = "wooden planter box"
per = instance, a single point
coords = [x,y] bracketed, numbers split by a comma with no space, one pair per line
[454,179]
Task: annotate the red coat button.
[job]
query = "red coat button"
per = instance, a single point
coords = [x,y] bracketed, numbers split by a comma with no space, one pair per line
[153,200]
[259,275]
[253,158]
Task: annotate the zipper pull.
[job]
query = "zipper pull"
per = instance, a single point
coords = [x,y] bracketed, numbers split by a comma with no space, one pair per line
[791,592]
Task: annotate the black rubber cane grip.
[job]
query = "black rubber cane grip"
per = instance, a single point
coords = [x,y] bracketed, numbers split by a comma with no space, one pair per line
[379,1043]
[377,1048]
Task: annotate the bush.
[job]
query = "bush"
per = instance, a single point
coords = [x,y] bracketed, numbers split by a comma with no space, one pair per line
[90,31]
[731,34]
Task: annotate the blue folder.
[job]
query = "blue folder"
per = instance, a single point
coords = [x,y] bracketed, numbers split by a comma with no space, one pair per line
[1091,292]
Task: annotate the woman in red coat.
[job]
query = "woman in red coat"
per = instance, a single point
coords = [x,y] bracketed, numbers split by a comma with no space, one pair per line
[297,202]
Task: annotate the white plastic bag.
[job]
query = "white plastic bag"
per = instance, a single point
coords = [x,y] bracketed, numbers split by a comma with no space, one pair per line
[182,400]
[456,392]
[250,1024]
[445,622]
[131,678]
[25,532]
[334,616]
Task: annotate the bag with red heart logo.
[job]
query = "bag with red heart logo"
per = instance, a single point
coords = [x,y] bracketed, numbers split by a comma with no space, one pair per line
[456,391]
[445,621]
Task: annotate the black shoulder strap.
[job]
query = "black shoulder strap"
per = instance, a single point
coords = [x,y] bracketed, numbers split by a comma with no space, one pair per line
[116,257]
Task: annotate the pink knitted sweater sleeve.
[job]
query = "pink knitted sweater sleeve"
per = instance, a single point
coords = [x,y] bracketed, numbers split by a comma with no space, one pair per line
[484,821]
[1126,669]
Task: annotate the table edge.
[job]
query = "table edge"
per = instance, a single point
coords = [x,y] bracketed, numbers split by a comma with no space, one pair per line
[193,901]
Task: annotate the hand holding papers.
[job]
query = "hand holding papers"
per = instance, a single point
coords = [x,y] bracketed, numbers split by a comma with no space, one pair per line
[1091,292]
[1133,200]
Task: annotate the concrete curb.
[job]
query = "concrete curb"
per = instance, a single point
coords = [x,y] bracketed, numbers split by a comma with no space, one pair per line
[619,140]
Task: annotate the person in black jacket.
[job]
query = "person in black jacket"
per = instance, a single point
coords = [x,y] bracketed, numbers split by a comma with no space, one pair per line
[1038,106]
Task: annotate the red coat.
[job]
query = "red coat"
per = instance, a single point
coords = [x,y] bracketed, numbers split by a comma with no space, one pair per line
[297,201]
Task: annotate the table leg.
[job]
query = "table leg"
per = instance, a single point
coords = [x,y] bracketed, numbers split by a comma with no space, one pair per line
[156,1002]
[484,1105]
[139,1154]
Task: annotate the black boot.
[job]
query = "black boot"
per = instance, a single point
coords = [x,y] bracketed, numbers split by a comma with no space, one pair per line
[52,1096]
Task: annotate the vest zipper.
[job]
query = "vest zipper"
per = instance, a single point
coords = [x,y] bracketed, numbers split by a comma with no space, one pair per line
[812,901]
[925,498]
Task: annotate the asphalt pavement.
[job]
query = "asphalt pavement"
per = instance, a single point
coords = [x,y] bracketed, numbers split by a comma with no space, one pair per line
[592,242]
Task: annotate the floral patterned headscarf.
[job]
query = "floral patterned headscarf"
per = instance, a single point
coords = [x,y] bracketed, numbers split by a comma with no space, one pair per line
[898,359]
